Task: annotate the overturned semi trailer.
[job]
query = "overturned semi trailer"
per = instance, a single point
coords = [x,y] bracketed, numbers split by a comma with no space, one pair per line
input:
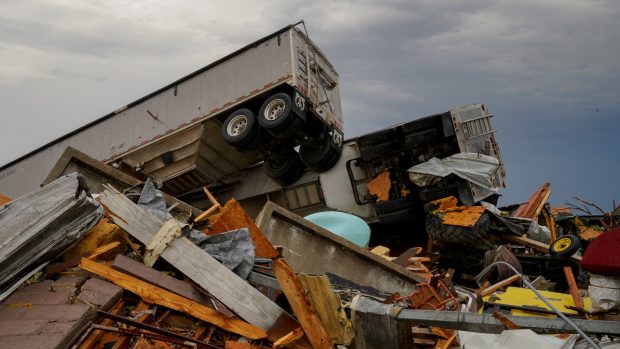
[276,99]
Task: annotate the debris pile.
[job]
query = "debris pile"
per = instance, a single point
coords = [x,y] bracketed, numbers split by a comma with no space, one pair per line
[109,261]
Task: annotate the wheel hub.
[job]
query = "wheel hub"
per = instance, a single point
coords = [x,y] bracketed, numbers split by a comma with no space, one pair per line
[274,109]
[237,125]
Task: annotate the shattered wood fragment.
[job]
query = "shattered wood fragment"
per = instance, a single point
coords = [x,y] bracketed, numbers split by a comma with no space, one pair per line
[487,291]
[288,338]
[157,295]
[572,285]
[445,343]
[216,207]
[531,209]
[295,294]
[442,332]
[381,251]
[232,217]
[168,232]
[380,186]
[403,259]
[328,307]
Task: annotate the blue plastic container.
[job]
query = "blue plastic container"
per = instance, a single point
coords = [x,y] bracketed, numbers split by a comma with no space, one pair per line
[344,225]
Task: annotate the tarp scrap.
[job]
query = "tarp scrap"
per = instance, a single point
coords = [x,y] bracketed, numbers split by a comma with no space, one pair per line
[234,249]
[476,168]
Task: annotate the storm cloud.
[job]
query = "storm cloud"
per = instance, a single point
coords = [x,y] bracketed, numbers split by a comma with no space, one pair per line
[548,70]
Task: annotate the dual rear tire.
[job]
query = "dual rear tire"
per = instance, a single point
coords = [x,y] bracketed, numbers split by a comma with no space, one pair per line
[279,118]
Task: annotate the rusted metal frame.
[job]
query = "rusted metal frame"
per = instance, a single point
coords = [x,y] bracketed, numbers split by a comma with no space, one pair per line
[166,335]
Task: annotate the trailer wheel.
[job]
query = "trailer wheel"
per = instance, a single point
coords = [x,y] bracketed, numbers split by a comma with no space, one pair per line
[241,130]
[320,155]
[564,246]
[276,116]
[284,168]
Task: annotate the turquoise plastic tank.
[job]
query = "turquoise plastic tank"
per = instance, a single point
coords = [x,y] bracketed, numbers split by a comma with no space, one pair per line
[344,225]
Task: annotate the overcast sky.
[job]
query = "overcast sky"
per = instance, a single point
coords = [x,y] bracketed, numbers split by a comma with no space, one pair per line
[549,70]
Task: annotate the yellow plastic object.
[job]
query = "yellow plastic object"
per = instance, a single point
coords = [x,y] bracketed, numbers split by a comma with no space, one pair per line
[524,297]
[562,244]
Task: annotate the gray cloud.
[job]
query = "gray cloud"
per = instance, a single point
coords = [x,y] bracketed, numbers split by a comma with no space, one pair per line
[534,63]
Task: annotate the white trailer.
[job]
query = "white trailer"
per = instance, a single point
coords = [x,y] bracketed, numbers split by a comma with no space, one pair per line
[258,103]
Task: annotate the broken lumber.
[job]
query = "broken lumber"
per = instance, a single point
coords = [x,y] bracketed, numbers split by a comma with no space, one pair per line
[295,294]
[531,209]
[487,291]
[202,268]
[572,285]
[328,307]
[288,338]
[153,294]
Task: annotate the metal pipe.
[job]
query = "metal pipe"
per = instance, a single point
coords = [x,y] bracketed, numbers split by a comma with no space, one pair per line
[545,300]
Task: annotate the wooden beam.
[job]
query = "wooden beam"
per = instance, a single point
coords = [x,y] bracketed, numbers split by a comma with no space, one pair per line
[572,285]
[487,291]
[202,268]
[157,295]
[294,292]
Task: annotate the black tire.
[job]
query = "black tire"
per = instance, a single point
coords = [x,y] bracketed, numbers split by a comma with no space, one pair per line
[277,117]
[564,246]
[284,169]
[470,236]
[241,130]
[322,155]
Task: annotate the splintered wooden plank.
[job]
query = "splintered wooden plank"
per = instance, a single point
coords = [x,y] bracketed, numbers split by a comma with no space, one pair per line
[294,292]
[202,268]
[153,294]
[328,307]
